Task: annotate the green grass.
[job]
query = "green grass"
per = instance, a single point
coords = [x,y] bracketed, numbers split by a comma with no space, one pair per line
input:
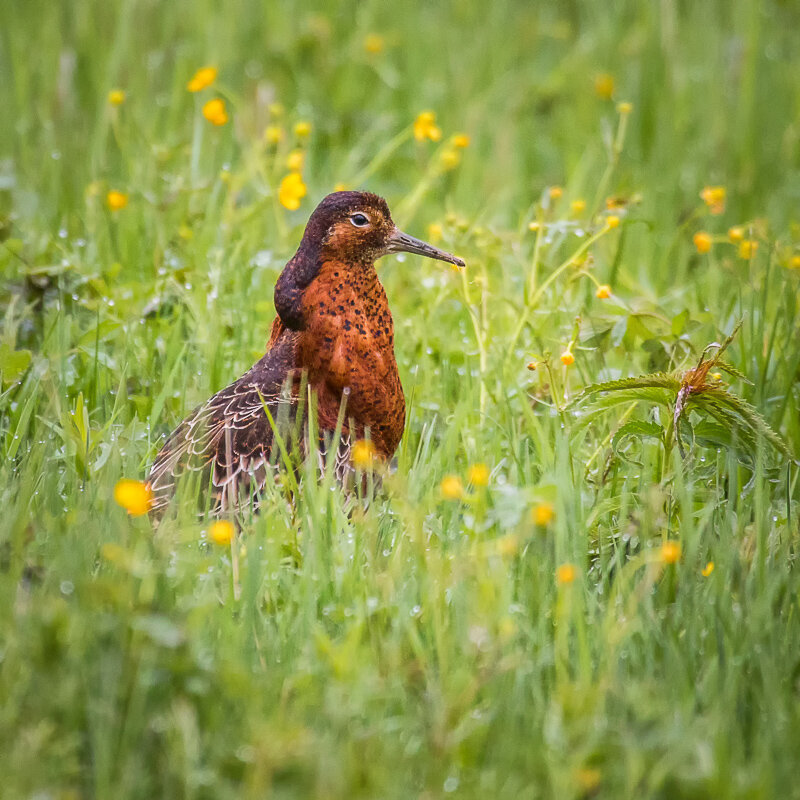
[421,647]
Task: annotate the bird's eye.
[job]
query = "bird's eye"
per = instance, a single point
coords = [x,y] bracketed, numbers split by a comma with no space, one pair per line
[359,220]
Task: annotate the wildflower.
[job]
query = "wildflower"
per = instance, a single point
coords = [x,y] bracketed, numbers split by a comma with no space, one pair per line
[215,112]
[577,207]
[612,221]
[717,376]
[221,532]
[507,545]
[302,129]
[374,44]
[714,198]
[116,97]
[794,262]
[567,359]
[736,233]
[707,569]
[425,127]
[588,779]
[116,201]
[362,453]
[450,159]
[276,109]
[273,134]
[451,487]
[461,140]
[702,241]
[295,160]
[604,85]
[543,514]
[670,552]
[202,79]
[435,232]
[533,226]
[291,191]
[340,187]
[136,497]
[506,627]
[624,107]
[747,248]
[566,574]
[555,192]
[478,474]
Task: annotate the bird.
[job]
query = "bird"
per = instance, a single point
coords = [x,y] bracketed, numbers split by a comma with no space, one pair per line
[332,341]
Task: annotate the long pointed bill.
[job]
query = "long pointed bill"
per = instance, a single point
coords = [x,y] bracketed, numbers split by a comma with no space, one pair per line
[400,242]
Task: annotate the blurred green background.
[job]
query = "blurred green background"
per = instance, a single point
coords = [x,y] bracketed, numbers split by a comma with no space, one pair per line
[424,646]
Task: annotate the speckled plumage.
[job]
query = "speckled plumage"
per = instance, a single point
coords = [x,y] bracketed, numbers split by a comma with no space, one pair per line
[334,333]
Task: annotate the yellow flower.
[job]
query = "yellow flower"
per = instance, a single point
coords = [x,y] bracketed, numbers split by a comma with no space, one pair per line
[531,365]
[202,79]
[533,226]
[507,545]
[717,376]
[374,43]
[221,532]
[362,453]
[670,552]
[555,192]
[624,107]
[461,140]
[612,221]
[450,159]
[736,233]
[340,187]
[566,574]
[506,627]
[603,292]
[295,160]
[794,262]
[478,474]
[702,241]
[577,207]
[567,359]
[273,134]
[604,85]
[116,201]
[215,112]
[292,190]
[714,198]
[747,248]
[451,487]
[435,232]
[136,497]
[543,514]
[707,569]
[425,127]
[302,129]
[116,97]
[588,779]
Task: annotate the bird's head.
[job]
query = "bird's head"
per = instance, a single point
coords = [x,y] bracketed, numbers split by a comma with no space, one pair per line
[358,227]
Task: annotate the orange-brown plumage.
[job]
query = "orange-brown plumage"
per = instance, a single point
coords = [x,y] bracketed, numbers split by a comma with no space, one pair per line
[334,332]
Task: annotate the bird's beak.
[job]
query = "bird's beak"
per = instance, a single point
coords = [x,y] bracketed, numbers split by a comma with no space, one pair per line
[400,242]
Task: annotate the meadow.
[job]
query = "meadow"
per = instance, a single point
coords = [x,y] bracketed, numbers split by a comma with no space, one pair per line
[559,592]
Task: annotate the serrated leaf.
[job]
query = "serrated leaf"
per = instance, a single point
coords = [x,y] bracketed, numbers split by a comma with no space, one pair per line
[748,416]
[655,380]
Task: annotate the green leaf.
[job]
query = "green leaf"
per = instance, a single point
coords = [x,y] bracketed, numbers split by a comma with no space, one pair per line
[13,363]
